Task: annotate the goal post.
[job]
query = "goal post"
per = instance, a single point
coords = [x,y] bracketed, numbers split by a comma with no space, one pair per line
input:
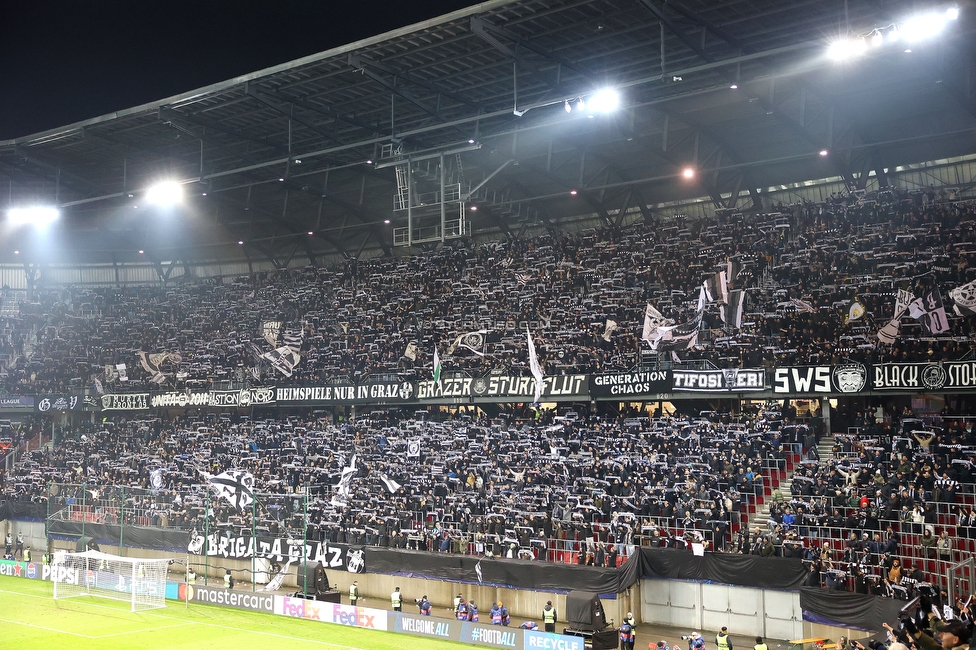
[138,581]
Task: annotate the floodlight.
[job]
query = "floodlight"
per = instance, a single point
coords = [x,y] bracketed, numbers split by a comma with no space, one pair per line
[926,25]
[688,172]
[824,152]
[605,100]
[877,39]
[569,109]
[165,194]
[952,13]
[38,216]
[846,48]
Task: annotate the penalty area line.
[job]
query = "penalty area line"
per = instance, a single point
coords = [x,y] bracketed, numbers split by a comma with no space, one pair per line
[47,629]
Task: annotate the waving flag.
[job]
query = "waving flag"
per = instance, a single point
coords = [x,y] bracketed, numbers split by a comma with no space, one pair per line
[653,320]
[930,312]
[235,486]
[437,366]
[964,298]
[535,368]
[390,484]
[474,341]
[344,487]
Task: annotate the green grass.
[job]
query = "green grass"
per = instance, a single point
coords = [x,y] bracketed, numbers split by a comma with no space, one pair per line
[31,618]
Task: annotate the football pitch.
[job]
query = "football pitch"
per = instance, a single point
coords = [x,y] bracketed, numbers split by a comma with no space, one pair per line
[31,618]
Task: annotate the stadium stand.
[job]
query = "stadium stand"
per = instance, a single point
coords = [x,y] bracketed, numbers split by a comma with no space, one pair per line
[801,269]
[555,488]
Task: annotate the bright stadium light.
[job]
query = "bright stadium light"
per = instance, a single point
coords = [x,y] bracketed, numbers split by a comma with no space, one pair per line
[928,24]
[605,100]
[165,194]
[846,48]
[38,216]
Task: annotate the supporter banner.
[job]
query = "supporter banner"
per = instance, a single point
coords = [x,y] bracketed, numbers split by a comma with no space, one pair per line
[504,386]
[59,403]
[279,549]
[220,398]
[16,403]
[314,610]
[125,402]
[848,378]
[631,383]
[946,375]
[728,379]
[256,602]
[348,394]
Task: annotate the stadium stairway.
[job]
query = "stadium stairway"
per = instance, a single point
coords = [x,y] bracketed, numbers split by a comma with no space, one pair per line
[825,452]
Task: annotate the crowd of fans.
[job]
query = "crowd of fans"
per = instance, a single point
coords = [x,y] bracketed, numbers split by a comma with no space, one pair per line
[361,318]
[560,488]
[893,508]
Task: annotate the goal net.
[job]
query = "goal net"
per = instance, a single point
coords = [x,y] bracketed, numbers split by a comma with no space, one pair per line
[139,581]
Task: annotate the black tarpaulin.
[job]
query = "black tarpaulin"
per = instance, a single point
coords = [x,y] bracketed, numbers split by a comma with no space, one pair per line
[743,570]
[859,611]
[23,510]
[519,574]
[726,568]
[133,536]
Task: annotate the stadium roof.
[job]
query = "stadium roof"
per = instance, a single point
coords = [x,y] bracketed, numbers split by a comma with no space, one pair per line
[312,146]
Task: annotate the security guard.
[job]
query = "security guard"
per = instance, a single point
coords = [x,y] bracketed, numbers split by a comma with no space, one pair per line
[549,616]
[27,555]
[760,645]
[397,599]
[228,579]
[722,639]
[354,593]
[630,620]
[457,602]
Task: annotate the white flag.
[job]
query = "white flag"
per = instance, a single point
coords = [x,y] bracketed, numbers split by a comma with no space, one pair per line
[344,487]
[855,312]
[235,486]
[965,299]
[474,341]
[653,319]
[283,359]
[930,312]
[608,329]
[276,581]
[390,484]
[535,367]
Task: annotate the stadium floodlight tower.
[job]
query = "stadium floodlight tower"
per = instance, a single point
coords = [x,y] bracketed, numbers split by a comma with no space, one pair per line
[138,581]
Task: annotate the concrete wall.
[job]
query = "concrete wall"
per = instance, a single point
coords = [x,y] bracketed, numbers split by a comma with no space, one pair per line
[696,606]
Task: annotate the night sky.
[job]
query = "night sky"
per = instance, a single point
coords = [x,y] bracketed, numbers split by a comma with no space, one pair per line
[62,62]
